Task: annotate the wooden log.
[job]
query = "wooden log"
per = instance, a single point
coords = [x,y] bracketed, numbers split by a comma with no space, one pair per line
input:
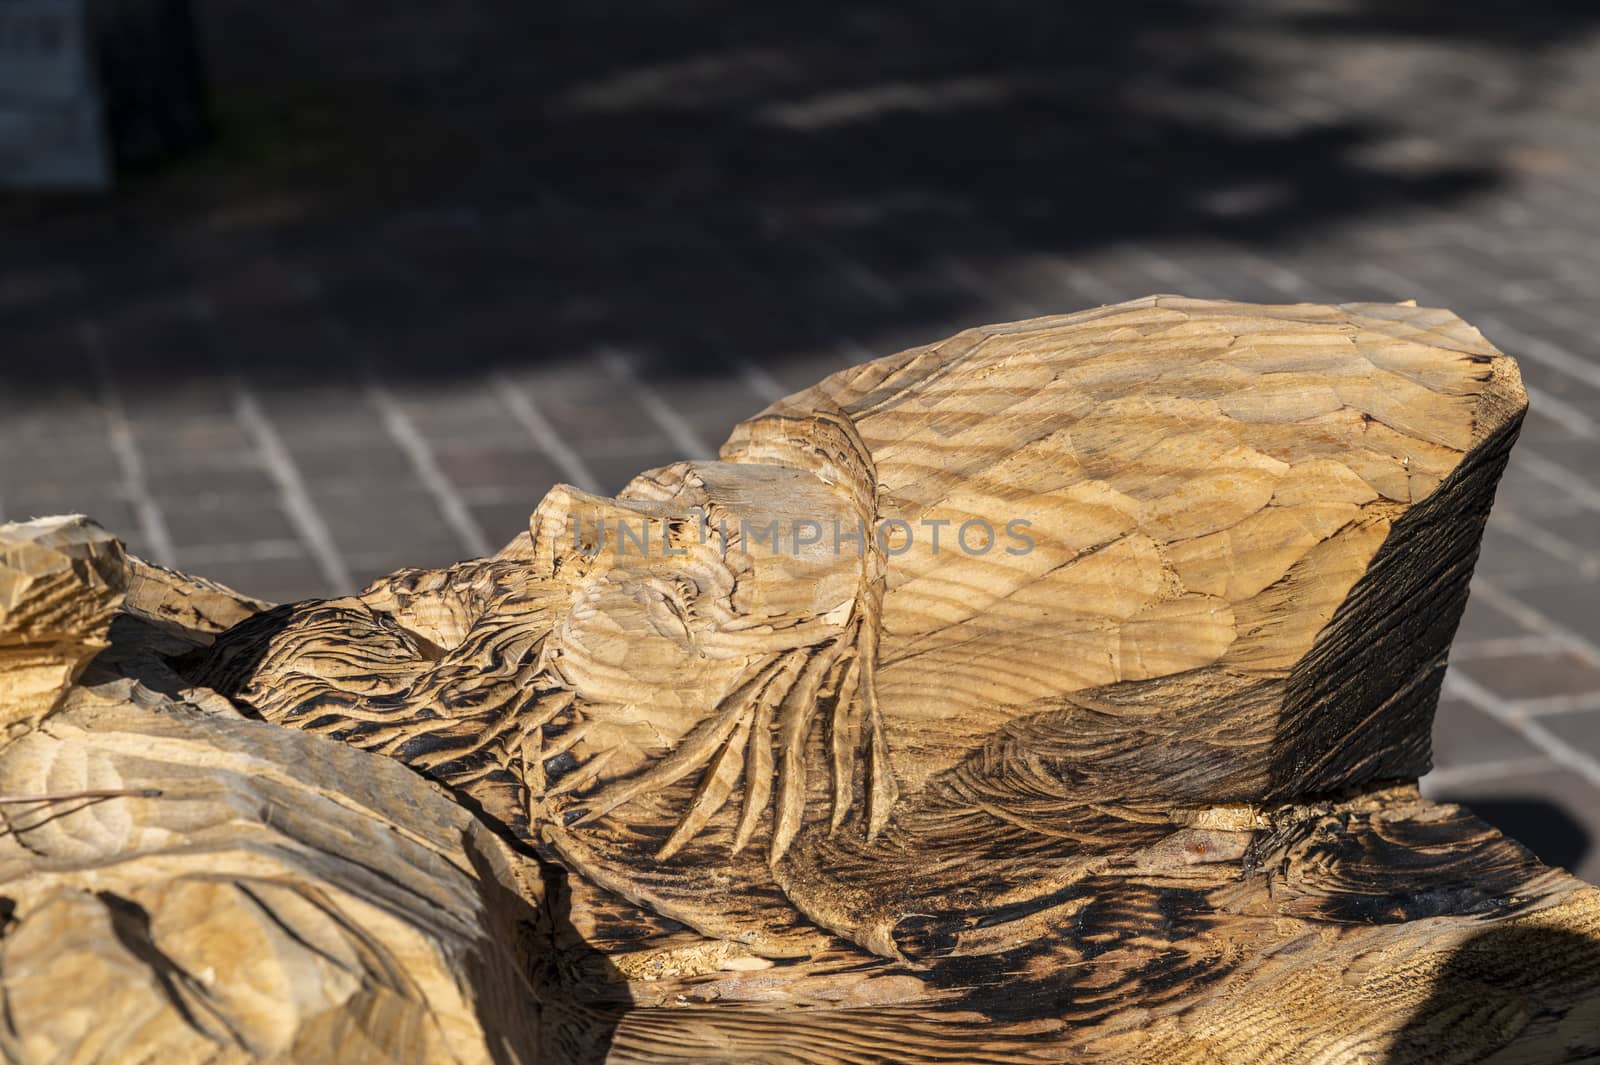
[1053,693]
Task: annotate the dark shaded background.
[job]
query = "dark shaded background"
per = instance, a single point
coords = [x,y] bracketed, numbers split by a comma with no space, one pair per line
[439,256]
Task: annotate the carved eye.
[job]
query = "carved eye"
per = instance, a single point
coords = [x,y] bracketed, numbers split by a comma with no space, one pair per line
[666,603]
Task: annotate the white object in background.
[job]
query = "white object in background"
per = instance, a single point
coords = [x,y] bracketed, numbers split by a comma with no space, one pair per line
[52,132]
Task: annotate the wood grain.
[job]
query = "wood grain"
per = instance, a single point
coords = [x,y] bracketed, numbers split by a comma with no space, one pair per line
[1053,693]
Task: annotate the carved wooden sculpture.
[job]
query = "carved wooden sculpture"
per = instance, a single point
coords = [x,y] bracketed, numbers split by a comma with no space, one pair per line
[1055,693]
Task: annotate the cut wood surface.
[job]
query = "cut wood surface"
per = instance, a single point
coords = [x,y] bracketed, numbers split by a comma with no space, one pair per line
[1053,693]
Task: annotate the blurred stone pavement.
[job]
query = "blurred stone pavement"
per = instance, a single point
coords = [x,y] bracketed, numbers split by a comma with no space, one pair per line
[441,256]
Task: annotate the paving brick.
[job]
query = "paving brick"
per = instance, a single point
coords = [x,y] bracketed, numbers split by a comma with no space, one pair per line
[1517,560]
[40,463]
[230,472]
[1464,736]
[326,421]
[459,414]
[715,404]
[503,521]
[1572,603]
[1483,620]
[279,580]
[1581,728]
[1582,529]
[593,413]
[199,558]
[1532,676]
[216,519]
[1569,477]
[1524,491]
[511,468]
[384,518]
[359,460]
[191,439]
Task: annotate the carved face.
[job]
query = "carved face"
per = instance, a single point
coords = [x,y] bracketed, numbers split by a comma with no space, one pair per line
[689,581]
[703,600]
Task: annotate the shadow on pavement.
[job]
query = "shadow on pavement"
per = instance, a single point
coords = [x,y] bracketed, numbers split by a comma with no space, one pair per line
[470,186]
